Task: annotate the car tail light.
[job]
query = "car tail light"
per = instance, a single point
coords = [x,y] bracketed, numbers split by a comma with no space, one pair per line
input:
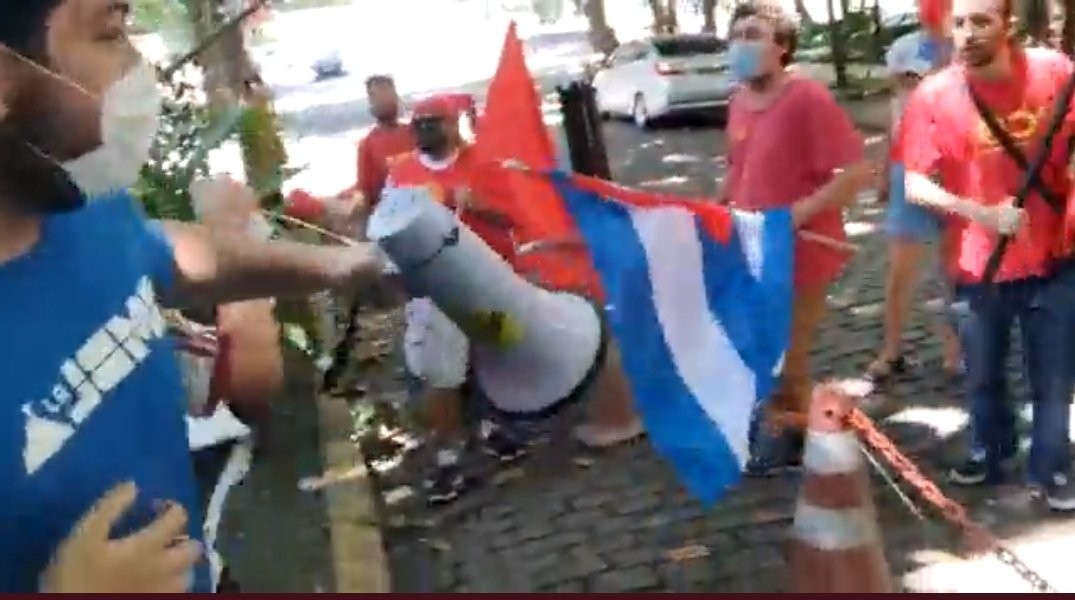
[667,69]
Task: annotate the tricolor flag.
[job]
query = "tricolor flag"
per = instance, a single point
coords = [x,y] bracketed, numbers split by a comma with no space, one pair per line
[698,297]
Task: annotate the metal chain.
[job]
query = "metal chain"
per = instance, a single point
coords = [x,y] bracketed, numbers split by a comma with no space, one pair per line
[977,538]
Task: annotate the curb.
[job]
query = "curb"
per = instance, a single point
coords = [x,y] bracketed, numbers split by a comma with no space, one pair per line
[358,558]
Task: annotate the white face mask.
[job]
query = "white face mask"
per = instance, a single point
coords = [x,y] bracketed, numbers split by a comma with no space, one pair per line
[130,110]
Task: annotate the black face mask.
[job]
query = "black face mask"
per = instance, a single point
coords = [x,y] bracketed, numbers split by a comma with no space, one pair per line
[430,137]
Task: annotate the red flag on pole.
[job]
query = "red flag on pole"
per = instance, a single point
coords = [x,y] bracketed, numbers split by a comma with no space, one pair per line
[512,128]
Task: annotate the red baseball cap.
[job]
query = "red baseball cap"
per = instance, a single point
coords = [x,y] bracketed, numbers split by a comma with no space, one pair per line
[442,106]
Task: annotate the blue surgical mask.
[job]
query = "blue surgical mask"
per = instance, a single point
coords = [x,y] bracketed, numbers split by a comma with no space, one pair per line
[744,59]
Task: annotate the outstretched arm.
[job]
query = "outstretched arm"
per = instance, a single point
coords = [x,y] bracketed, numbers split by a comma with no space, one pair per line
[211,267]
[218,263]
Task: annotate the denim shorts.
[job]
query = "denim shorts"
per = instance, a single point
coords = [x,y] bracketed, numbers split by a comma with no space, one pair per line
[904,219]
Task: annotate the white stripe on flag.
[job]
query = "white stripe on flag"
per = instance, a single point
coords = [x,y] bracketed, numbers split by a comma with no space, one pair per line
[750,226]
[706,358]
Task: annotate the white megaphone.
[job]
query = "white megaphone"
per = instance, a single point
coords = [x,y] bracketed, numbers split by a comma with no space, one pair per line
[532,347]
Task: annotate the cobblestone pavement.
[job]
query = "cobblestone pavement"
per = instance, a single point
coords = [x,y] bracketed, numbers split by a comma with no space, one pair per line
[572,520]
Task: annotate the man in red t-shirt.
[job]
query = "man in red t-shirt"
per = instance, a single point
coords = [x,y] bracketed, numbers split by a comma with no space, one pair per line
[779,122]
[436,351]
[955,165]
[385,143]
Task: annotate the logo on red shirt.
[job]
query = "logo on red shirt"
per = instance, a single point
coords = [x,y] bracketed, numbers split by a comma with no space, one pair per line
[1021,125]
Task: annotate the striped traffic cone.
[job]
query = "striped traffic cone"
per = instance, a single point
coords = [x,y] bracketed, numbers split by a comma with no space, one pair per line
[835,541]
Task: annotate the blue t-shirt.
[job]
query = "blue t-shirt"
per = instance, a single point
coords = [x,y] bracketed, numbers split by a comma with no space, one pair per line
[90,389]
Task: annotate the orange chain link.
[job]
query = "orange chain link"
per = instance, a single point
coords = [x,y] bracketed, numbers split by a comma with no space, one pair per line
[976,538]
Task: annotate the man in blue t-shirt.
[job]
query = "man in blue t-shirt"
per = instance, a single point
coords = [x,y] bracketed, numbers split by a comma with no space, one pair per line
[97,492]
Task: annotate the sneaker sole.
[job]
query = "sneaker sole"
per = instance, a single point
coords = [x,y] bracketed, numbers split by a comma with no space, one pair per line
[505,458]
[963,480]
[443,498]
[774,471]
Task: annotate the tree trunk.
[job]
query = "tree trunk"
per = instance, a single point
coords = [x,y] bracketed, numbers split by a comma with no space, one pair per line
[837,42]
[225,63]
[671,14]
[1066,17]
[1035,19]
[602,37]
[878,37]
[709,13]
[665,19]
[804,15]
[658,11]
[231,79]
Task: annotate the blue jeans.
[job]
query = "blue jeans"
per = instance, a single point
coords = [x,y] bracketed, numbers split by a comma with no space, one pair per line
[904,219]
[985,315]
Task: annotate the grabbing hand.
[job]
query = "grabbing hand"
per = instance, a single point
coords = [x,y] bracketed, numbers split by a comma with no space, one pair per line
[464,199]
[157,559]
[863,174]
[223,202]
[1004,218]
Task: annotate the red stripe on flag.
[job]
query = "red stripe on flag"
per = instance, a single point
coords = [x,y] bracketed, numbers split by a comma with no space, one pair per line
[715,218]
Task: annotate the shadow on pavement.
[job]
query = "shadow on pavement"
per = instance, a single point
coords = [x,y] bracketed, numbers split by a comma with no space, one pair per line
[273,536]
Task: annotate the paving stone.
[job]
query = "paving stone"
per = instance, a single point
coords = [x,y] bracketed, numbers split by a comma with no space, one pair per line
[636,504]
[580,519]
[625,580]
[614,525]
[594,499]
[484,572]
[611,542]
[689,576]
[532,531]
[551,544]
[573,565]
[567,587]
[487,527]
[636,556]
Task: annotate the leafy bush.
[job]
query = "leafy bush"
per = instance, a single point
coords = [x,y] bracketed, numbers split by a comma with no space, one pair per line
[188,133]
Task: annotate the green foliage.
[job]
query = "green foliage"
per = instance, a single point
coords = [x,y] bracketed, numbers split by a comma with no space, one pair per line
[858,31]
[158,15]
[180,152]
[188,133]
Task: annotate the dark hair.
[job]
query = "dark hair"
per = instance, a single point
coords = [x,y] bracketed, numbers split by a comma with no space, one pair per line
[22,27]
[379,80]
[785,27]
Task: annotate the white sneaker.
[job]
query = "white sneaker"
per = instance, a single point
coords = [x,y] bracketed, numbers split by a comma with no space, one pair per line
[597,436]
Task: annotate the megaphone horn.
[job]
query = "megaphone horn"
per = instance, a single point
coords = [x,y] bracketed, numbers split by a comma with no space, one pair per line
[532,347]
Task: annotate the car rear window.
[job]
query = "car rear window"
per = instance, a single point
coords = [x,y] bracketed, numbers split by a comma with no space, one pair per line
[688,46]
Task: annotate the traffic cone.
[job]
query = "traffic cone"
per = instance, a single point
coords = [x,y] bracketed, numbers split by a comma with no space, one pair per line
[835,541]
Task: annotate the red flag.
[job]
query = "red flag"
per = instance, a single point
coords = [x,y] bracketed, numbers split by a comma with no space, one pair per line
[512,127]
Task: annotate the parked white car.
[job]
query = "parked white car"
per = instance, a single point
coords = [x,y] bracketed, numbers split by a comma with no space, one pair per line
[651,78]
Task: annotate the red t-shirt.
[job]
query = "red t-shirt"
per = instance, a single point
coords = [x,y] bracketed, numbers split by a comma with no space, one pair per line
[376,152]
[783,154]
[944,137]
[481,178]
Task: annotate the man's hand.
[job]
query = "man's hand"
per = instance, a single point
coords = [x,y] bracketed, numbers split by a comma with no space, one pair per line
[1004,218]
[223,203]
[464,199]
[157,559]
[862,174]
